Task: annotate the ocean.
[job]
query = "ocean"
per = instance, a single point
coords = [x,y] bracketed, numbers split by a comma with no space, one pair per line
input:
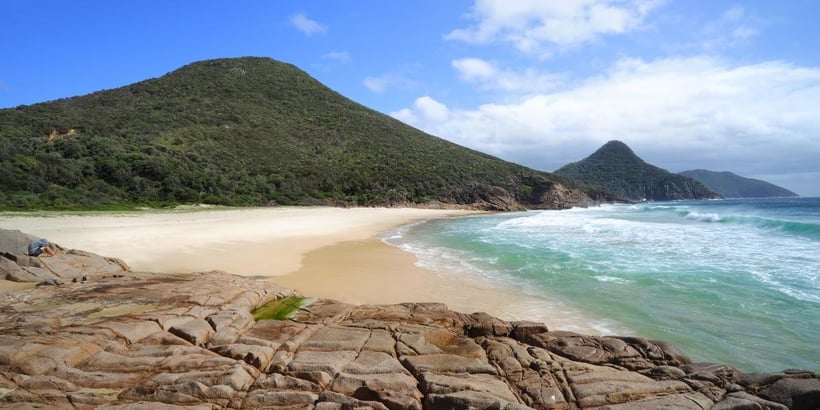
[729,281]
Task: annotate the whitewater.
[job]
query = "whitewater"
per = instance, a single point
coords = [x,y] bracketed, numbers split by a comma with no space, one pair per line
[729,281]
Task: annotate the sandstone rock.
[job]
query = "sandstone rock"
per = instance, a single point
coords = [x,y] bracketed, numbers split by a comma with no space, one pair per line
[349,402]
[794,393]
[598,386]
[195,331]
[482,324]
[278,381]
[666,373]
[257,356]
[14,242]
[745,401]
[394,390]
[432,383]
[279,399]
[331,338]
[632,353]
[523,329]
[132,330]
[319,361]
[468,400]
[381,341]
[68,264]
[31,274]
[675,401]
[368,362]
[445,363]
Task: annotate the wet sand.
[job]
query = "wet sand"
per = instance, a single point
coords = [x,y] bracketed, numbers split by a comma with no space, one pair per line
[373,272]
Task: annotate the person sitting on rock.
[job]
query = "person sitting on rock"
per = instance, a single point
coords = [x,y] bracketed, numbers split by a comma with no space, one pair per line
[40,246]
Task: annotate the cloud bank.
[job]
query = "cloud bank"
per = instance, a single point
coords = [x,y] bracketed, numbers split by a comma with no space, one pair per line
[671,89]
[536,27]
[709,111]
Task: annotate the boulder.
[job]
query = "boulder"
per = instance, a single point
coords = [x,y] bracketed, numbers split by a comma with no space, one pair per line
[67,265]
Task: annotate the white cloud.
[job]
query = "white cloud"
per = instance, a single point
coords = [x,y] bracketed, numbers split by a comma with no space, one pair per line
[382,83]
[490,77]
[338,56]
[534,26]
[735,27]
[474,69]
[426,110]
[700,110]
[306,25]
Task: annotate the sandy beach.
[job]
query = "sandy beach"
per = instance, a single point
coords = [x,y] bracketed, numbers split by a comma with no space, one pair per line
[247,241]
[322,252]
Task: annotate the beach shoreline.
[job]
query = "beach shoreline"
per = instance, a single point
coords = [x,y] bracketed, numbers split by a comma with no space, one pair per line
[324,252]
[341,245]
[243,241]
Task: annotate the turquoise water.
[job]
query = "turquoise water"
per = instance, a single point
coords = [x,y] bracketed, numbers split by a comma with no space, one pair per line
[732,281]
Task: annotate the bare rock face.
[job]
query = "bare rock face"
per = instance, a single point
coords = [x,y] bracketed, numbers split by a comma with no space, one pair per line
[560,197]
[67,265]
[146,340]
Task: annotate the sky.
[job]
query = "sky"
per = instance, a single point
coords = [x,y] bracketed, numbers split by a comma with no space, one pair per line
[712,84]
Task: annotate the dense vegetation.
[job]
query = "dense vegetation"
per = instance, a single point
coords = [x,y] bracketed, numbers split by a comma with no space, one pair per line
[247,131]
[617,170]
[731,185]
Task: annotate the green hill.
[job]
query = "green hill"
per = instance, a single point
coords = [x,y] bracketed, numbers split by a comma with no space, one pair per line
[245,131]
[731,185]
[617,170]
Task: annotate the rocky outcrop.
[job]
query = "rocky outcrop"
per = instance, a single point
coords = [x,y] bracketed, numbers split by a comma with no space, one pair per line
[143,340]
[540,193]
[484,197]
[67,265]
[551,195]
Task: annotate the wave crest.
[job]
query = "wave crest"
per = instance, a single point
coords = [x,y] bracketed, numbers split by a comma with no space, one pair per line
[805,229]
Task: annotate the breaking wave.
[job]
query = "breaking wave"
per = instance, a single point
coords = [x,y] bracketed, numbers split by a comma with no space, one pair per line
[805,229]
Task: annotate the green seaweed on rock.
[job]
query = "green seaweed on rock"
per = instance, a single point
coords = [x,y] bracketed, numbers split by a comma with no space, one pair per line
[278,309]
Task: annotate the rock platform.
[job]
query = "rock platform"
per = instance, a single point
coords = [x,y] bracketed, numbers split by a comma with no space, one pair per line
[117,339]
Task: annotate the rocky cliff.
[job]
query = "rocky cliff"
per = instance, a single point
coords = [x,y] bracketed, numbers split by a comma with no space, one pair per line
[119,339]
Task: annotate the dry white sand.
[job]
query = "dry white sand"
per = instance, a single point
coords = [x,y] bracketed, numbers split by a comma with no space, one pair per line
[245,241]
[322,252]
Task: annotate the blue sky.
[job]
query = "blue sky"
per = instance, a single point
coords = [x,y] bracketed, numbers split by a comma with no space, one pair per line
[720,85]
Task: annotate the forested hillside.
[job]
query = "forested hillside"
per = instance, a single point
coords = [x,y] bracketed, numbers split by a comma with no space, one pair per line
[616,169]
[731,185]
[245,131]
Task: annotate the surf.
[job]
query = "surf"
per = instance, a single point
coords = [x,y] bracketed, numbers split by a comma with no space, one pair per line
[727,281]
